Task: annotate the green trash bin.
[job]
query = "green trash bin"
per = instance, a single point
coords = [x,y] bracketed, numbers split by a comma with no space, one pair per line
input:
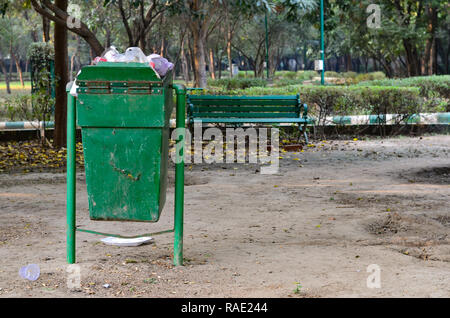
[124,111]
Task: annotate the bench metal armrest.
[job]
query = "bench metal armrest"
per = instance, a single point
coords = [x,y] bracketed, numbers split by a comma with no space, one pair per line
[305,111]
[190,109]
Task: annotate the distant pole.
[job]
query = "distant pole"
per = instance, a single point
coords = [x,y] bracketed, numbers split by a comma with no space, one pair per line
[267,47]
[322,43]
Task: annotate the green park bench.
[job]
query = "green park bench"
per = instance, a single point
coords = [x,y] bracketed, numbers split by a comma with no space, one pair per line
[239,110]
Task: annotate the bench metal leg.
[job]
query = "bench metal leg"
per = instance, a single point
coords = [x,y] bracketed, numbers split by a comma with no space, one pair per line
[305,134]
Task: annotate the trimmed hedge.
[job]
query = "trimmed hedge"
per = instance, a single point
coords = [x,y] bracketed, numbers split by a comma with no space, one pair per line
[351,78]
[340,100]
[298,76]
[430,86]
[236,83]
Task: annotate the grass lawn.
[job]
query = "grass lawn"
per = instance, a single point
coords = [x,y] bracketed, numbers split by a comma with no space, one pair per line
[16,89]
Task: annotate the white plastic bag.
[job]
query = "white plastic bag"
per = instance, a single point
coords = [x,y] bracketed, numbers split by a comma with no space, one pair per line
[73,86]
[135,54]
[109,55]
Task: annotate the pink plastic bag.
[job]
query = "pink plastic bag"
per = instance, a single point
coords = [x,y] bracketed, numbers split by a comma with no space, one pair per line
[160,64]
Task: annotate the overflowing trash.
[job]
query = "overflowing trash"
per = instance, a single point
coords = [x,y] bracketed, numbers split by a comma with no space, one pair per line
[134,54]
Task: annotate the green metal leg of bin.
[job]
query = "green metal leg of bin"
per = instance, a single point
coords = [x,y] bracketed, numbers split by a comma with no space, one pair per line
[179,175]
[71,200]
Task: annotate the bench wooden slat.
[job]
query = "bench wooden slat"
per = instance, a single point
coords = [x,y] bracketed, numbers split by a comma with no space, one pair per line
[246,115]
[250,120]
[239,102]
[231,97]
[199,109]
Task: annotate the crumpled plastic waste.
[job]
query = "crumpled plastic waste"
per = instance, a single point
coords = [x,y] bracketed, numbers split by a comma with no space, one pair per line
[132,54]
[30,272]
[109,55]
[135,54]
[73,86]
[160,64]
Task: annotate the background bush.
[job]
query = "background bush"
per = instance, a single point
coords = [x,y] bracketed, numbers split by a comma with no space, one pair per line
[351,78]
[342,100]
[430,86]
[332,74]
[236,83]
[299,75]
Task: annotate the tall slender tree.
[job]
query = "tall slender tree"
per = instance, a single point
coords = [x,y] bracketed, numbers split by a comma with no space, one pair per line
[62,76]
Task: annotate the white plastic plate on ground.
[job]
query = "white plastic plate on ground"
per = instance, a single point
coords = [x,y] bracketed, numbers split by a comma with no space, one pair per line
[117,241]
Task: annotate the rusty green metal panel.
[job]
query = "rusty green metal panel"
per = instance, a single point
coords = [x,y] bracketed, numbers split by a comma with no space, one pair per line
[125,172]
[121,110]
[124,111]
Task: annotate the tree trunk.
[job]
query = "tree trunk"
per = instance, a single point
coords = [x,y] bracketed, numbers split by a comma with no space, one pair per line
[385,64]
[430,51]
[219,64]
[190,58]
[184,64]
[212,69]
[163,50]
[435,69]
[142,43]
[358,65]
[19,68]
[33,33]
[260,66]
[78,64]
[305,57]
[348,63]
[61,74]
[228,38]
[230,61]
[199,60]
[10,61]
[447,59]
[412,59]
[5,72]
[108,38]
[72,59]
[45,29]
[431,63]
[274,60]
[91,54]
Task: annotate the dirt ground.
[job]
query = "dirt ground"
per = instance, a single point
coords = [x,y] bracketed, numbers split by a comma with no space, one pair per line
[311,230]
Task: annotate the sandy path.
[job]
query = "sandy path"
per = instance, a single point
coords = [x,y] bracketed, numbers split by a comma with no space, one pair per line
[351,204]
